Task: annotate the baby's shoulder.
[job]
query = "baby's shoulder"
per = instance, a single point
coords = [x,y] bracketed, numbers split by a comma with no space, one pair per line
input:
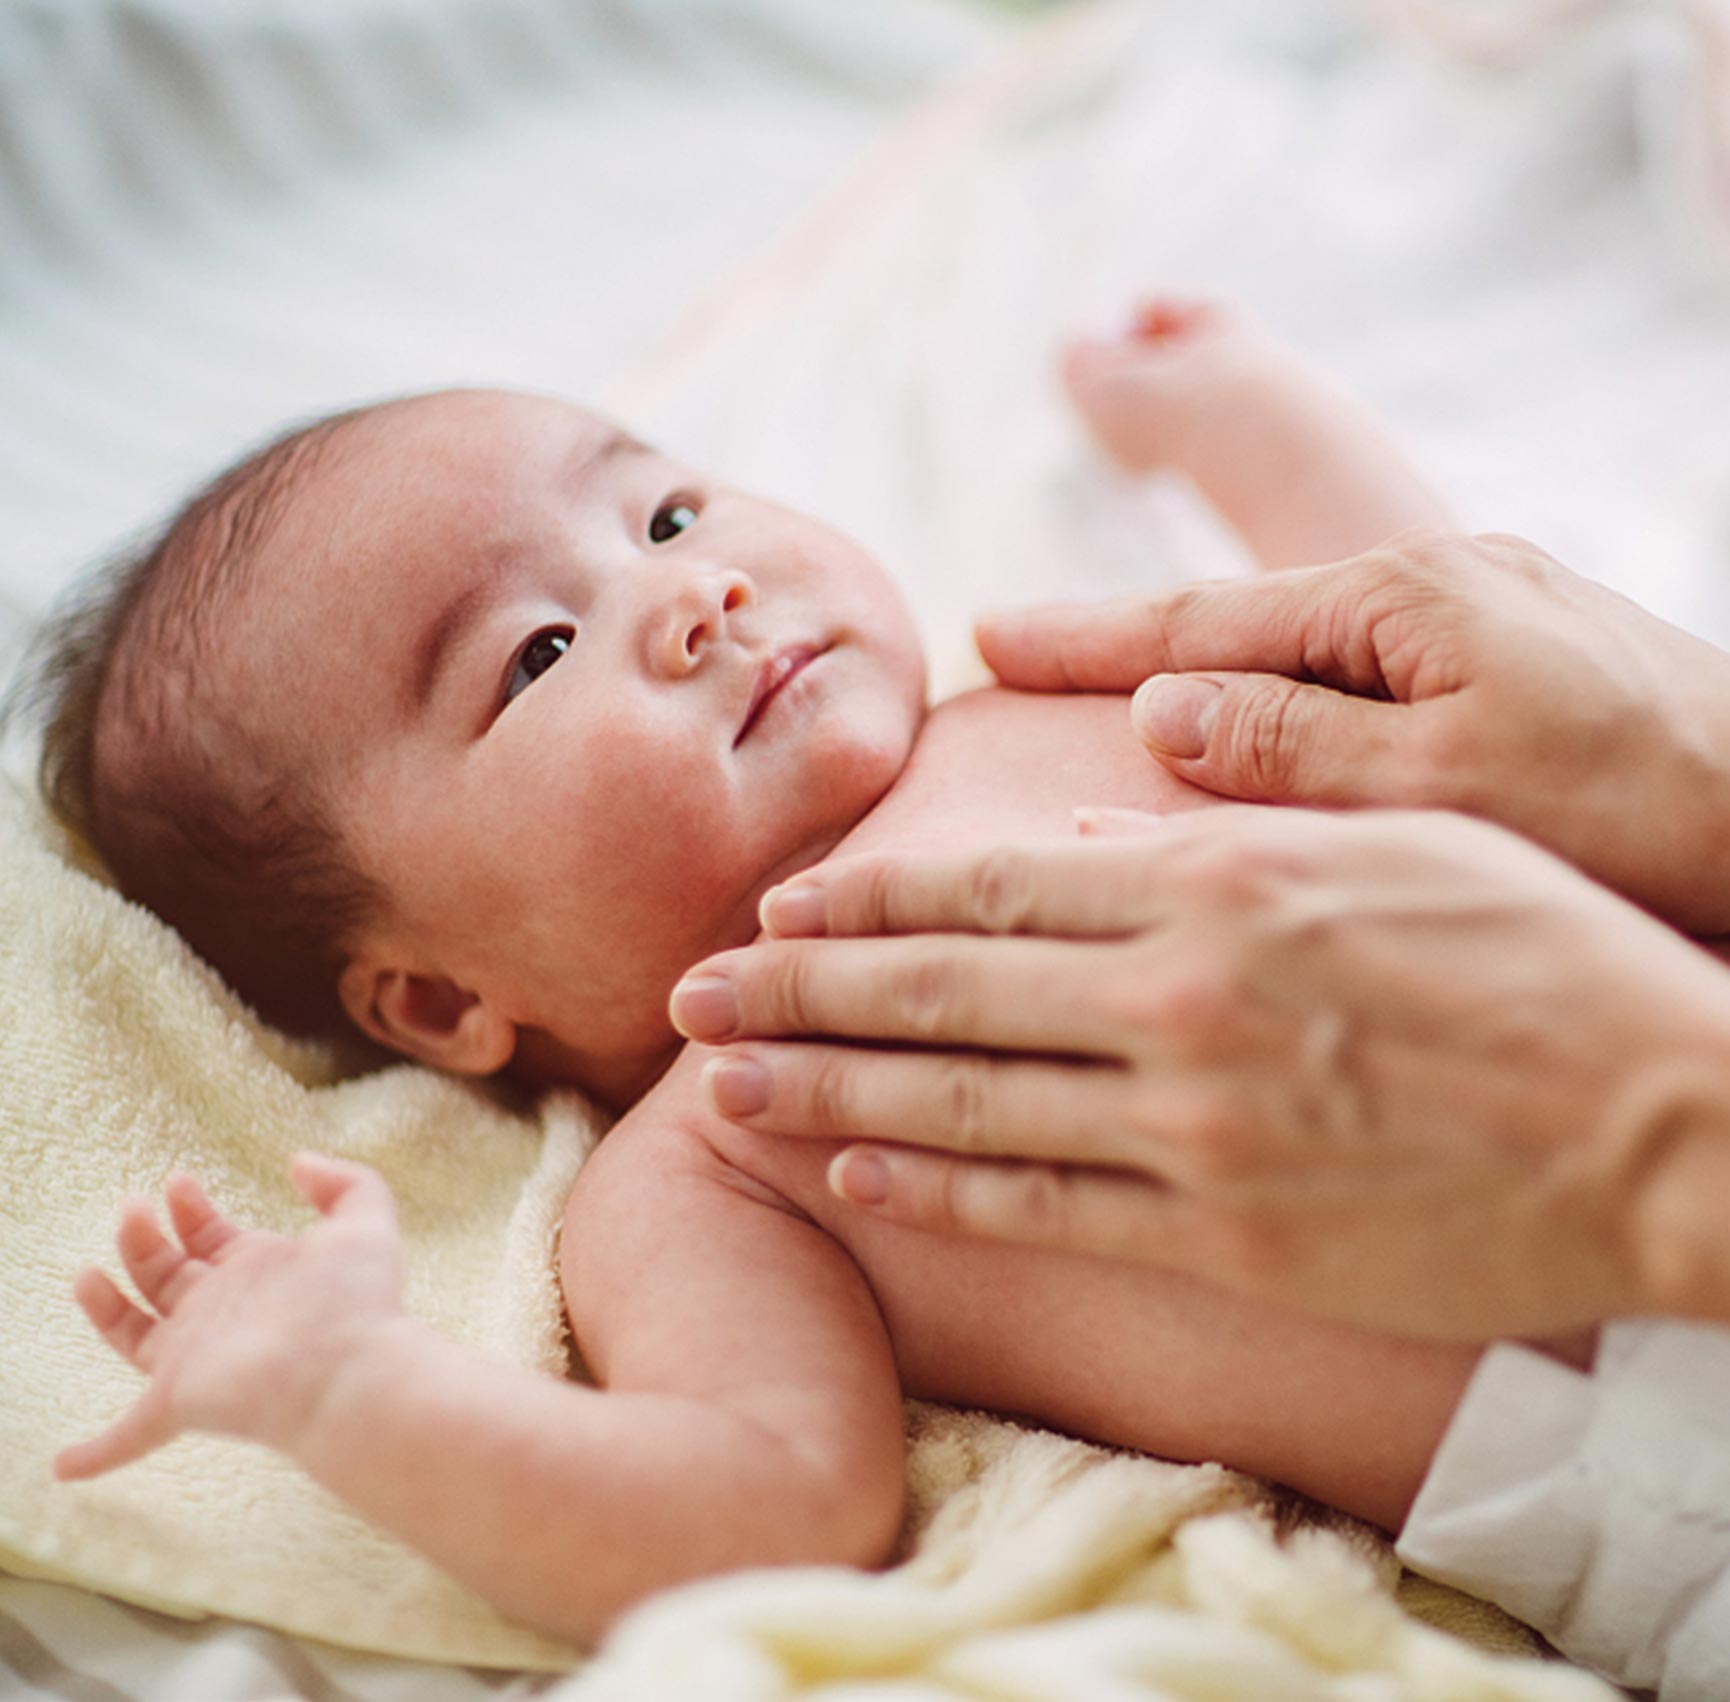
[996,763]
[663,1155]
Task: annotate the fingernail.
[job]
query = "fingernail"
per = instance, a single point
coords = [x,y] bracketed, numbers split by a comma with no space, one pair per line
[704,1007]
[794,910]
[861,1177]
[1174,713]
[1104,822]
[738,1086]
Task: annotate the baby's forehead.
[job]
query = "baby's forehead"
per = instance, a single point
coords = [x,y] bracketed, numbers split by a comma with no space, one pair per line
[414,498]
[482,431]
[450,467]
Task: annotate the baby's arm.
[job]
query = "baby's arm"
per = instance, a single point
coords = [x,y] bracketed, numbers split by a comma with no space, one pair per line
[752,1415]
[1300,467]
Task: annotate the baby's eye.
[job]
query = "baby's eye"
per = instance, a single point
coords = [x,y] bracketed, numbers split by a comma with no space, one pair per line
[535,657]
[671,518]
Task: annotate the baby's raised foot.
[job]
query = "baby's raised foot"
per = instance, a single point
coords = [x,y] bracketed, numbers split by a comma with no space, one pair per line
[1184,375]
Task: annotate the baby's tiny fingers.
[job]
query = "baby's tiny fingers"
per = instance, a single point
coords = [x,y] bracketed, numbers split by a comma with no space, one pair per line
[139,1431]
[155,1264]
[340,1188]
[121,1324]
[202,1229]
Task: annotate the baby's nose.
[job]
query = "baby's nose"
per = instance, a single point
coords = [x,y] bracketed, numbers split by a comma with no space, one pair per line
[697,616]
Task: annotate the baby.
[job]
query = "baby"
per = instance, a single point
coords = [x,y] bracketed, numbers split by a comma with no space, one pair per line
[474,720]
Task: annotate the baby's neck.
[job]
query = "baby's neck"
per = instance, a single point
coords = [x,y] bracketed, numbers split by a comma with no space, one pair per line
[542,1060]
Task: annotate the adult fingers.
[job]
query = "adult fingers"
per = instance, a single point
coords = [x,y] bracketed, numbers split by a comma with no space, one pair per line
[963,1102]
[1308,623]
[1017,995]
[342,1190]
[1266,738]
[142,1429]
[1093,889]
[1105,1213]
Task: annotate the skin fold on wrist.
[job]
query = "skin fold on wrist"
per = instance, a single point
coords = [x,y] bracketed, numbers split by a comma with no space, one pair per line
[1680,1186]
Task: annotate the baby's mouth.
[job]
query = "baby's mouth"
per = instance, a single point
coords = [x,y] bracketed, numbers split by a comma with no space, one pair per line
[776,671]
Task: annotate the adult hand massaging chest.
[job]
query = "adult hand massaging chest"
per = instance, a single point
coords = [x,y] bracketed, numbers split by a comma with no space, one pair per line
[1126,1355]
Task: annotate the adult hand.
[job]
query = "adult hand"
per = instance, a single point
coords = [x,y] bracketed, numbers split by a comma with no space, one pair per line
[1472,674]
[1404,1069]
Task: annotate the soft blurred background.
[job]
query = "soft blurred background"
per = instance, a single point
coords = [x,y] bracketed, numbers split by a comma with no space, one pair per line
[830,249]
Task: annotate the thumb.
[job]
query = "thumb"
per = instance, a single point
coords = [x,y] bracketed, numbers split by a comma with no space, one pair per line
[1264,737]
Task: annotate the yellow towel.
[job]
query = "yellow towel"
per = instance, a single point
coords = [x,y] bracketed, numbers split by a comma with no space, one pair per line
[126,1058]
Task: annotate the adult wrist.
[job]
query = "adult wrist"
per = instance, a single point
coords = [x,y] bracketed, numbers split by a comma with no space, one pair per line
[1680,1197]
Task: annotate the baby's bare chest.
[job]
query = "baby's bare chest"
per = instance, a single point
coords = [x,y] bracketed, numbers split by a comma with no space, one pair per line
[997,765]
[1050,1335]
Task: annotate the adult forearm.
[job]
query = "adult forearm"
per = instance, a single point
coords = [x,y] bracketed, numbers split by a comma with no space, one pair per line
[563,1504]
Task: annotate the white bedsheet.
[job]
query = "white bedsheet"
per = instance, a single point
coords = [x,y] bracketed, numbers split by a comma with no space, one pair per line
[1516,258]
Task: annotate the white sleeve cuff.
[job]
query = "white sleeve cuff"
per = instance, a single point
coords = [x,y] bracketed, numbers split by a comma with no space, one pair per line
[1596,1508]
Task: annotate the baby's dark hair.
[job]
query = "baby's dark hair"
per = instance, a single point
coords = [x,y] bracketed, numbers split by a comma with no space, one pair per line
[192,814]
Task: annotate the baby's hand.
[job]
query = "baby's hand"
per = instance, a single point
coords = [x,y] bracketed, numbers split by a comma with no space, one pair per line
[250,1328]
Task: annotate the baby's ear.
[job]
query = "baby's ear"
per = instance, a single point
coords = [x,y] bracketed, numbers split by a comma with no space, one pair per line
[428,1017]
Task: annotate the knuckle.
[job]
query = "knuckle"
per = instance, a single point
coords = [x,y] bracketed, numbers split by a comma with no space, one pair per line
[1239,873]
[792,995]
[1516,555]
[963,1103]
[873,897]
[926,993]
[999,891]
[1443,761]
[1175,611]
[1261,732]
[1198,1013]
[1219,1147]
[830,1102]
[957,1204]
[1419,551]
[1258,1248]
[1043,1202]
[1415,569]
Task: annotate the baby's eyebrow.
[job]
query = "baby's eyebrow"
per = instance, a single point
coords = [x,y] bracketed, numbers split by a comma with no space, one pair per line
[616,445]
[444,634]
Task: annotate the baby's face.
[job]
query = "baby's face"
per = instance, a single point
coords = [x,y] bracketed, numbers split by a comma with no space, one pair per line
[579,705]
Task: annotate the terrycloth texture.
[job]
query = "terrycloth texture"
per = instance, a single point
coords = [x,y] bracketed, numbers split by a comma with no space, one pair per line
[1049,1571]
[126,1059]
